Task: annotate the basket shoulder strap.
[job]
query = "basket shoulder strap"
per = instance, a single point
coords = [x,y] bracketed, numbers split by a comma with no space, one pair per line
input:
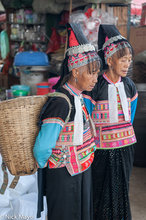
[14,182]
[54,94]
[62,95]
[5,181]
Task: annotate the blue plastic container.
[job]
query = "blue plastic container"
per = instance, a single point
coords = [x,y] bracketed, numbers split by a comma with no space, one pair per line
[20,90]
[31,58]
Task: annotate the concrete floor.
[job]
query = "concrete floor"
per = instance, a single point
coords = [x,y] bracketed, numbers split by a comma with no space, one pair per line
[138,193]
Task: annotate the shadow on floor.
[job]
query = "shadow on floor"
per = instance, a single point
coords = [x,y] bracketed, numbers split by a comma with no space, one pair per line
[138,193]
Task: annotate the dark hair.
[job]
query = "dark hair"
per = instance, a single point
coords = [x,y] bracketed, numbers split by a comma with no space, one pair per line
[66,79]
[64,73]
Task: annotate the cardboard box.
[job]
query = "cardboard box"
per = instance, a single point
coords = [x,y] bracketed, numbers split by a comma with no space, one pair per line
[138,38]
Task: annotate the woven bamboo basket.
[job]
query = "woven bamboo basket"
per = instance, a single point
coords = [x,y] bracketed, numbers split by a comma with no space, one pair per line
[18,130]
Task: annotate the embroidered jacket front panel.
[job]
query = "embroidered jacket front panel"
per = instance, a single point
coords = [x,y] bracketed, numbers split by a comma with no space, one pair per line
[76,158]
[113,135]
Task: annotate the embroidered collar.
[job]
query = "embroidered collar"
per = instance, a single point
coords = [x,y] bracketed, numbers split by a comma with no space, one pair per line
[71,89]
[111,82]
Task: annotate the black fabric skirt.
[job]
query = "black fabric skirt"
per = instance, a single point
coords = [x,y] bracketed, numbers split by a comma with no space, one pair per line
[69,197]
[111,171]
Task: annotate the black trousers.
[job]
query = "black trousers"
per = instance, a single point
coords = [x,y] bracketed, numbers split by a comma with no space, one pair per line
[69,197]
[111,170]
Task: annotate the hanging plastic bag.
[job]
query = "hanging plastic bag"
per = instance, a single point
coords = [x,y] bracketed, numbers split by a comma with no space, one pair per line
[54,43]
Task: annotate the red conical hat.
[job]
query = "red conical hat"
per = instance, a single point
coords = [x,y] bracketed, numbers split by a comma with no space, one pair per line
[72,39]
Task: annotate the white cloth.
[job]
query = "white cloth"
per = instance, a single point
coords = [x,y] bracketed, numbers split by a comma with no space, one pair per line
[78,121]
[21,202]
[113,103]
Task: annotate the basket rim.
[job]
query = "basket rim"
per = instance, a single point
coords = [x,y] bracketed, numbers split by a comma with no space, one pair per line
[22,97]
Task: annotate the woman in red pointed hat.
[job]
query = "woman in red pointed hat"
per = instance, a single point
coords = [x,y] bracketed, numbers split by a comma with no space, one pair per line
[114,102]
[64,148]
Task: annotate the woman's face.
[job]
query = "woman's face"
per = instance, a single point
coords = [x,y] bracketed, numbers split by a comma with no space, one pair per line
[121,65]
[87,76]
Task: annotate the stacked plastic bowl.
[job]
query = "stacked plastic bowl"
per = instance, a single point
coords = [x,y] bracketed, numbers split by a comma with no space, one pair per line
[20,90]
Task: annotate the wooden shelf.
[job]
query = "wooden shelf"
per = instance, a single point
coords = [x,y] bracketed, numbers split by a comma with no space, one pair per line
[31,41]
[24,23]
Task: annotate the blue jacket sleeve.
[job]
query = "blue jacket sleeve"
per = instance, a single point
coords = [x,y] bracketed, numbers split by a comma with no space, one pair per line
[53,121]
[133,108]
[134,98]
[45,141]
